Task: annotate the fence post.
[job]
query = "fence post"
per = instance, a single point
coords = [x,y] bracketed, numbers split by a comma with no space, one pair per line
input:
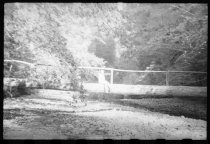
[167,78]
[111,78]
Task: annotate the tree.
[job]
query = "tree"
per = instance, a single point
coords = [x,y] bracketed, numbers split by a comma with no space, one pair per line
[169,34]
[31,28]
[56,35]
[105,51]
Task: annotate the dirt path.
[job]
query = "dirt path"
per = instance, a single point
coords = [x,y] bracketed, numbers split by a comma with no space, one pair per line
[34,117]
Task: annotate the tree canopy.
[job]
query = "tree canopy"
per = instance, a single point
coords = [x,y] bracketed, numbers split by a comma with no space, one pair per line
[120,35]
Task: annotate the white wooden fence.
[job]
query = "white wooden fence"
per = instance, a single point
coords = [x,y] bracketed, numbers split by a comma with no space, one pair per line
[138,71]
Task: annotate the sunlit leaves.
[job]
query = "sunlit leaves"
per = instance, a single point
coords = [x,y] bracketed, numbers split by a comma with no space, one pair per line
[57,34]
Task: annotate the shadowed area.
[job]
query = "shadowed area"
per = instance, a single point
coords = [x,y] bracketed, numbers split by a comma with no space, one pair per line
[192,107]
[41,116]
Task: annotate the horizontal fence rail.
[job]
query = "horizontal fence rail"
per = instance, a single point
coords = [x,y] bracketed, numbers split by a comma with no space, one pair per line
[123,70]
[122,76]
[168,76]
[141,82]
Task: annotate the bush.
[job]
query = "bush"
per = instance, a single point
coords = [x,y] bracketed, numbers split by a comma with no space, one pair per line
[15,88]
[7,92]
[39,85]
[21,88]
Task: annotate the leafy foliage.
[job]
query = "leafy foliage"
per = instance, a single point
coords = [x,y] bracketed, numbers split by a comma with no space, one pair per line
[174,36]
[15,87]
[105,51]
[128,36]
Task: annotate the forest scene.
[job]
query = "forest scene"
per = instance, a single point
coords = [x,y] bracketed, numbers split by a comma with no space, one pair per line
[55,54]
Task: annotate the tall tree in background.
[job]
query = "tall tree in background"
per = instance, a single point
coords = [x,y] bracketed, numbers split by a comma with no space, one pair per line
[129,36]
[105,51]
[172,35]
[163,30]
[36,39]
[56,35]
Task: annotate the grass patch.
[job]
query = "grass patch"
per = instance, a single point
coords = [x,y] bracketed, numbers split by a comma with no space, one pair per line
[103,96]
[172,106]
[191,107]
[12,114]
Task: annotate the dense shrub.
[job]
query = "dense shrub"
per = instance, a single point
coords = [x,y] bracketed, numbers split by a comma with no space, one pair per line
[15,88]
[21,88]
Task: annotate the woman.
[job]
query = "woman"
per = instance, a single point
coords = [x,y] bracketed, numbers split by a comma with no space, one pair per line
[102,80]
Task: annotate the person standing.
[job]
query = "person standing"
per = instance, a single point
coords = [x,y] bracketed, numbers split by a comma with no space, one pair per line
[102,80]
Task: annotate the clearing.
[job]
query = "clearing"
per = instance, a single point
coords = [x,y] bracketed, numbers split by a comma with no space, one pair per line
[46,116]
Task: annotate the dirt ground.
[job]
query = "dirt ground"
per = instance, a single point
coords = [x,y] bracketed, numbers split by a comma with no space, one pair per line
[48,117]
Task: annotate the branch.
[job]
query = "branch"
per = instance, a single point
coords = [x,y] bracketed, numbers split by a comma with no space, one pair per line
[180,57]
[18,48]
[7,31]
[194,16]
[184,10]
[18,61]
[168,47]
[27,63]
[100,39]
[191,82]
[10,69]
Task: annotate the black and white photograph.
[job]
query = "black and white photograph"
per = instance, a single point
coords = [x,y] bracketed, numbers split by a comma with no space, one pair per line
[97,71]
